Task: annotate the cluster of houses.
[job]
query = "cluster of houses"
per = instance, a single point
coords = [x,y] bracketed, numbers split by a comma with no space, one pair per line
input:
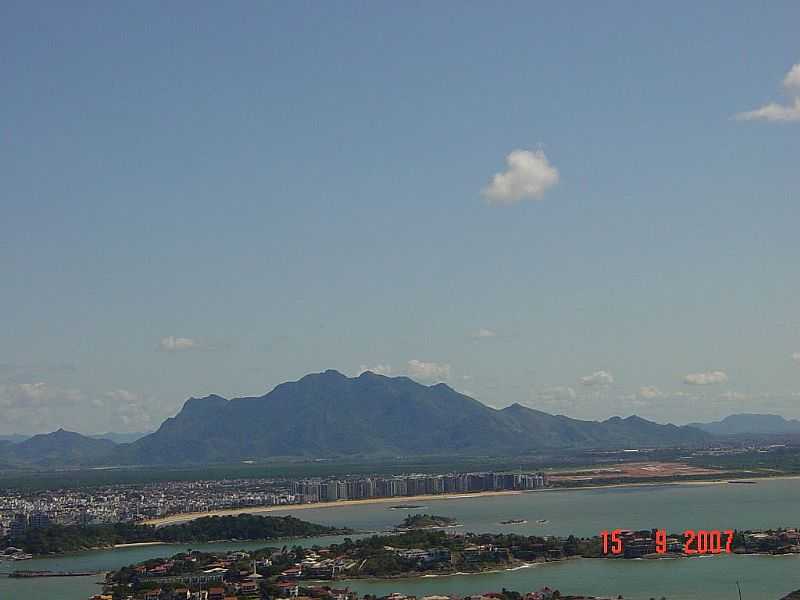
[318,565]
[326,593]
[637,544]
[545,593]
[781,541]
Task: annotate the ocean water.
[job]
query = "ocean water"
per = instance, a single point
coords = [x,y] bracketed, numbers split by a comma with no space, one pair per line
[769,503]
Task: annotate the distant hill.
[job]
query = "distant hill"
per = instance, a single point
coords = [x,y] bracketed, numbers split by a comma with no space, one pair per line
[750,424]
[328,414]
[58,448]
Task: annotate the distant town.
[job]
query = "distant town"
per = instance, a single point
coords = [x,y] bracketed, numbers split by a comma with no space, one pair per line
[21,510]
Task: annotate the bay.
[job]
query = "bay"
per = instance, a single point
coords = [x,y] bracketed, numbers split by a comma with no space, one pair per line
[767,503]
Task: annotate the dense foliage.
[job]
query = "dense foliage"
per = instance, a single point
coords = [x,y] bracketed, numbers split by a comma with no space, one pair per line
[70,538]
[419,521]
[242,527]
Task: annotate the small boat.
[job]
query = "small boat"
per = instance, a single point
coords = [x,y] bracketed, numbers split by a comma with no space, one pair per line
[405,506]
[513,521]
[541,521]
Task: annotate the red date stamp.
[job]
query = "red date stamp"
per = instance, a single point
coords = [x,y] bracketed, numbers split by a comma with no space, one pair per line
[691,542]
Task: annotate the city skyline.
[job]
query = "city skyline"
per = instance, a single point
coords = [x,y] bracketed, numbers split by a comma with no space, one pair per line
[566,209]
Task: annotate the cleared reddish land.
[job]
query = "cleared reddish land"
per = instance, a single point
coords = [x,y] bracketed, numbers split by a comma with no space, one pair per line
[633,470]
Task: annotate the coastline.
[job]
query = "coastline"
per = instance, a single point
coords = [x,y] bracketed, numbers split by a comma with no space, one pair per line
[722,480]
[184,517]
[136,544]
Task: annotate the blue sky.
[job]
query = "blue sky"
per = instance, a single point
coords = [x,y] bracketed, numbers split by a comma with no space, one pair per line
[204,198]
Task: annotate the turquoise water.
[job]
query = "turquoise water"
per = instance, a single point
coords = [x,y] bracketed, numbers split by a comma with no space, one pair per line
[584,512]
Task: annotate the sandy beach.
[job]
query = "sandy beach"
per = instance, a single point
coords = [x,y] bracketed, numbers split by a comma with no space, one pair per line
[183,517]
[180,518]
[134,544]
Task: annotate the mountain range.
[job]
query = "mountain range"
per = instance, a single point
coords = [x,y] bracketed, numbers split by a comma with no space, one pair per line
[754,424]
[331,415]
[118,438]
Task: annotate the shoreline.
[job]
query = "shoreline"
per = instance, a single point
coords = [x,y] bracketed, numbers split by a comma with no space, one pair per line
[137,544]
[543,564]
[185,517]
[755,479]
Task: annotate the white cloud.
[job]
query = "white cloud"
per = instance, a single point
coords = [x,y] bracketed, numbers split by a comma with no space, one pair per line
[779,112]
[792,79]
[430,372]
[135,412]
[177,344]
[529,176]
[706,378]
[553,398]
[598,378]
[122,396]
[37,407]
[557,393]
[483,333]
[796,357]
[773,112]
[649,392]
[38,393]
[379,369]
[33,392]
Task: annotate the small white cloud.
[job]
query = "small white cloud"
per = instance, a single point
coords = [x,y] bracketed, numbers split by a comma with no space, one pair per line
[379,369]
[796,357]
[122,396]
[483,333]
[773,112]
[40,392]
[529,176]
[34,391]
[598,378]
[792,79]
[177,344]
[553,398]
[706,378]
[429,372]
[649,392]
[779,112]
[38,406]
[557,393]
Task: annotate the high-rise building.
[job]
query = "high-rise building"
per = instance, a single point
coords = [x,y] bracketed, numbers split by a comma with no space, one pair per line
[18,526]
[39,520]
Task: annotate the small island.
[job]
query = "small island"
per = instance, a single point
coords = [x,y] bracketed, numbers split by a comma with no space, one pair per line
[420,521]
